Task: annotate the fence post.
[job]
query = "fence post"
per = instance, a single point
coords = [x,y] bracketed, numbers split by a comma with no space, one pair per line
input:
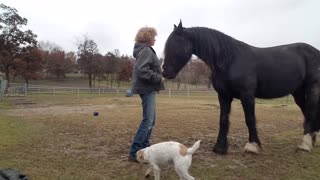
[169,92]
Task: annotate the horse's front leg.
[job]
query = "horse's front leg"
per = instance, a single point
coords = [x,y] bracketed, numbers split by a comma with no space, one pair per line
[221,146]
[248,104]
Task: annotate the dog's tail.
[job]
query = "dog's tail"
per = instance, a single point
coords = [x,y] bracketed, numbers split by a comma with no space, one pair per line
[194,147]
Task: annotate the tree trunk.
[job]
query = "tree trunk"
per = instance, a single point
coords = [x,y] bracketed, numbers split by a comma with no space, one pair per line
[94,81]
[178,85]
[107,80]
[209,83]
[14,78]
[90,80]
[119,84]
[111,80]
[7,76]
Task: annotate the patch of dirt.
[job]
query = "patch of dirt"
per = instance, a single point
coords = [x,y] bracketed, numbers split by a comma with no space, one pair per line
[57,110]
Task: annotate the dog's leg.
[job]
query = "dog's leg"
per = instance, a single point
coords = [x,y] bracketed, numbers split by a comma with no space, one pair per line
[183,173]
[147,174]
[188,177]
[156,171]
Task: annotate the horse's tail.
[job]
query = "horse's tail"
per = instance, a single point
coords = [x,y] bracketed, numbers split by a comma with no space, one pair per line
[194,147]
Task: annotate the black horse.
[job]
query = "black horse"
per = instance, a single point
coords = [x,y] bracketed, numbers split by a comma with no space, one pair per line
[244,72]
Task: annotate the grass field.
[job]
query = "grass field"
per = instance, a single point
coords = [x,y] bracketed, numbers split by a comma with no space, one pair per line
[56,137]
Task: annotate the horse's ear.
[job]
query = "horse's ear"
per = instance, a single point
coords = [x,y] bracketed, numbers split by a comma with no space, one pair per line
[179,29]
[174,27]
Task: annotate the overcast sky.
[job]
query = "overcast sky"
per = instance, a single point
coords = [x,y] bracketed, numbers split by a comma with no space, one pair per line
[113,24]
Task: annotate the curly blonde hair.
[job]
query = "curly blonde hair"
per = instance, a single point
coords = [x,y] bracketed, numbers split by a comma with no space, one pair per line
[145,35]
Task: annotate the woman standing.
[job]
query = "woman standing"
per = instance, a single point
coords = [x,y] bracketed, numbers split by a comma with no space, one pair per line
[147,80]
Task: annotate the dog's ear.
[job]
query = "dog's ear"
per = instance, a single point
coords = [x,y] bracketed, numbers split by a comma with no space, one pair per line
[140,155]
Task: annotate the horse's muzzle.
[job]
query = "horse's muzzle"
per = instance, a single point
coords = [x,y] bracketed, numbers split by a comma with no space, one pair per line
[167,76]
[164,75]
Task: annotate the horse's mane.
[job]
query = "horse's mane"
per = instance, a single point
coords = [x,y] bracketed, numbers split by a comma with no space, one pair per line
[210,44]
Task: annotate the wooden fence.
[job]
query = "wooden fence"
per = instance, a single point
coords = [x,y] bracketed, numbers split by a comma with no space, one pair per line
[15,89]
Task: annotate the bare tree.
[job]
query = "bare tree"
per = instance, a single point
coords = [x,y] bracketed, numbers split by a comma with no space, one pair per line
[112,66]
[87,49]
[49,46]
[59,63]
[125,69]
[199,72]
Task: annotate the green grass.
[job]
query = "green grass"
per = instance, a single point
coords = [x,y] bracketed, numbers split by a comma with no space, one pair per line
[5,104]
[11,131]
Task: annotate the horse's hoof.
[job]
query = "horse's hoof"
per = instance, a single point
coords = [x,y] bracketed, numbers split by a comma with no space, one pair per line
[220,150]
[147,176]
[251,148]
[306,143]
[303,148]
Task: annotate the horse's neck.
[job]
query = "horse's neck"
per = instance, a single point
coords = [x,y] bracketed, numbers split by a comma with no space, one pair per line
[219,46]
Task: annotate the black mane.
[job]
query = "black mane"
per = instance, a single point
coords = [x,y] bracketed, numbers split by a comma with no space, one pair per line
[212,44]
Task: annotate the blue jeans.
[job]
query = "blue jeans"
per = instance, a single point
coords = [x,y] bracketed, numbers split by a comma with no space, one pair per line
[141,139]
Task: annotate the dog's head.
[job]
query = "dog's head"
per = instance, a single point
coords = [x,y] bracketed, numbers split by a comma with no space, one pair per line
[141,156]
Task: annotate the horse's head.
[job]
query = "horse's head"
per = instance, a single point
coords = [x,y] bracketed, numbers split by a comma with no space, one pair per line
[178,51]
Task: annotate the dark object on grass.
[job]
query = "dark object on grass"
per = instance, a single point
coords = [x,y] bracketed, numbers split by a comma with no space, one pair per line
[12,174]
[95,113]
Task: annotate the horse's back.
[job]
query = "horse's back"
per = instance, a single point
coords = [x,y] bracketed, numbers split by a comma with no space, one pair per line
[283,69]
[275,71]
[302,50]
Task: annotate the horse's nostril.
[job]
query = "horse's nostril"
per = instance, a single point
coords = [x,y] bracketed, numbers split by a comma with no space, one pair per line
[164,75]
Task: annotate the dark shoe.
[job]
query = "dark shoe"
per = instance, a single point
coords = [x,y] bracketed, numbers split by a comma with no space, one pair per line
[132,159]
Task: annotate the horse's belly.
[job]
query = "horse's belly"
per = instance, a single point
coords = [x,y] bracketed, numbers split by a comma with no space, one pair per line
[268,95]
[276,89]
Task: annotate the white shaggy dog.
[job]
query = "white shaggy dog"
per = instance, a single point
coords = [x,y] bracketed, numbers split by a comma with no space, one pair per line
[164,154]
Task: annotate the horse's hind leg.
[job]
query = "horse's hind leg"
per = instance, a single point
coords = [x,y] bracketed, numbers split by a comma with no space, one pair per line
[316,134]
[310,112]
[299,98]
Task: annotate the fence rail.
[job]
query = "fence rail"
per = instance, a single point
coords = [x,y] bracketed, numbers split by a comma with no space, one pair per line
[24,90]
[15,89]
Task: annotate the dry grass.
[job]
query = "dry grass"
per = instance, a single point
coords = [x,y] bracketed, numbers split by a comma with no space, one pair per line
[58,138]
